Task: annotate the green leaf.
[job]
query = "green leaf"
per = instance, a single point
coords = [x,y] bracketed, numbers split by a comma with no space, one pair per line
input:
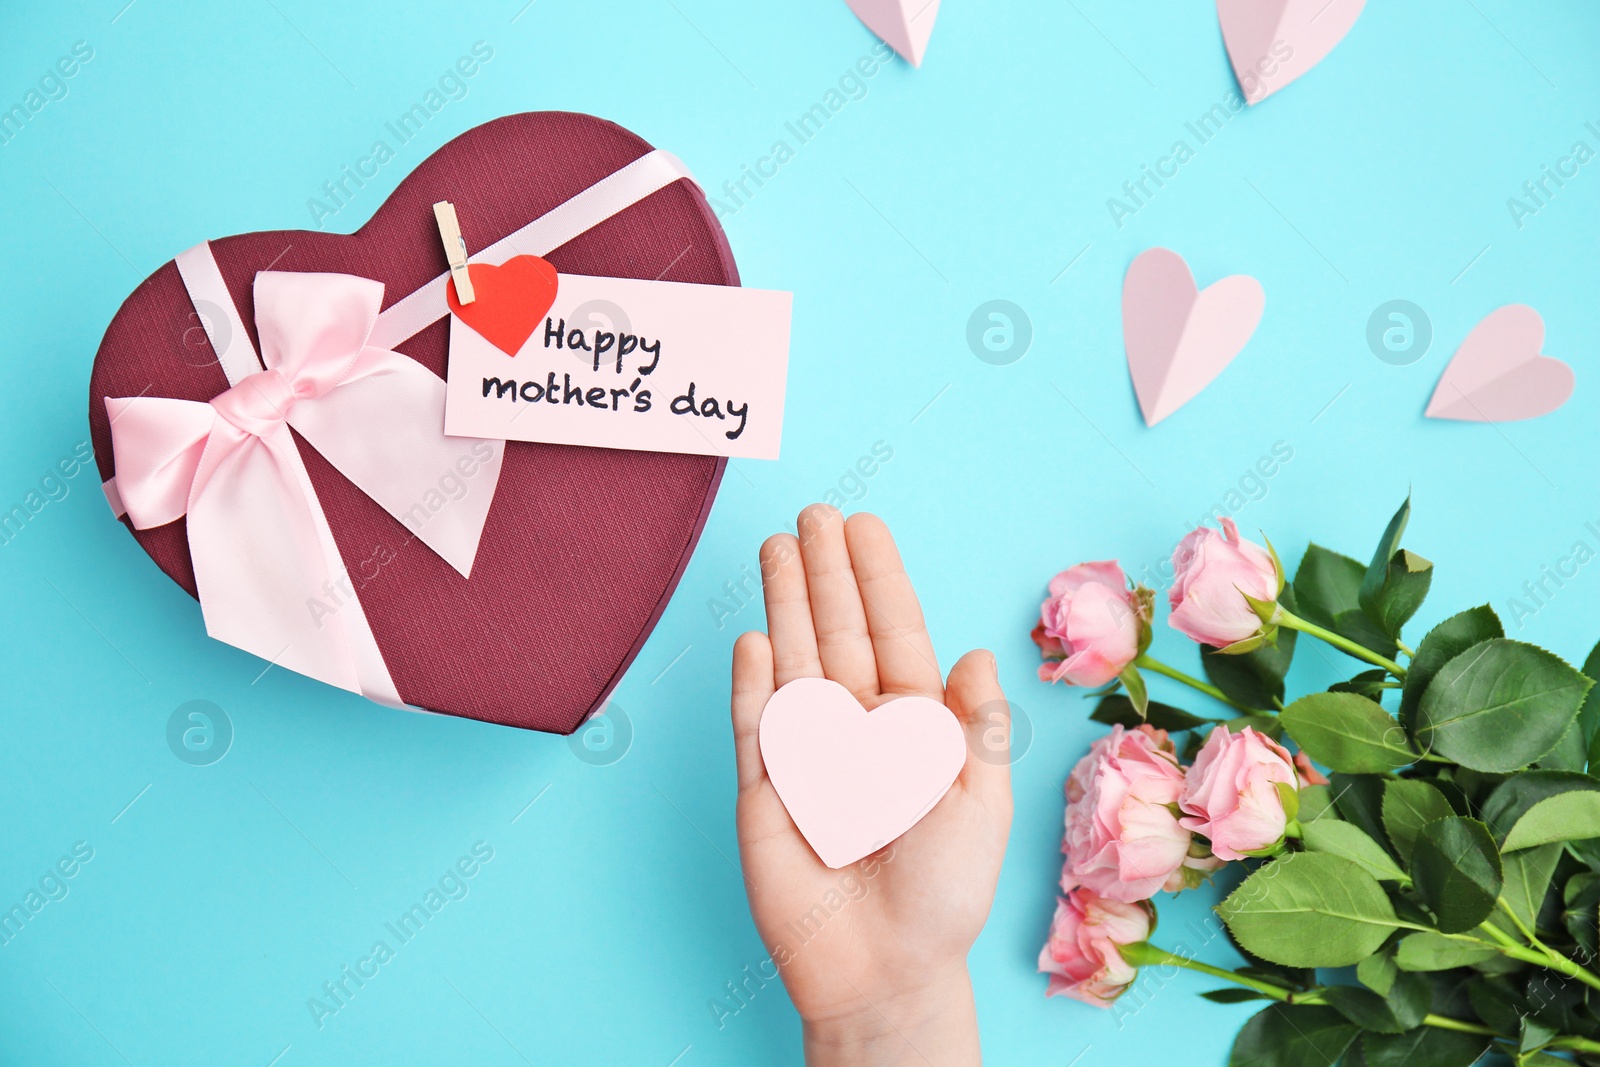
[1370,684]
[1402,1009]
[1352,843]
[1316,802]
[1408,805]
[1562,1005]
[1474,786]
[1428,951]
[1499,706]
[1586,852]
[1589,717]
[1359,627]
[1233,995]
[1404,590]
[1118,709]
[1327,591]
[1426,1046]
[1457,870]
[1495,1001]
[1251,678]
[1133,683]
[1535,1035]
[1396,581]
[1580,911]
[1359,799]
[1293,1035]
[1378,971]
[1442,644]
[1517,796]
[1310,909]
[1570,816]
[1348,733]
[1571,752]
[1377,572]
[1261,724]
[1326,584]
[1527,878]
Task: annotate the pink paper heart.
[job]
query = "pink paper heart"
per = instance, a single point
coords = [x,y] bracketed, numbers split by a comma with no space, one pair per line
[904,25]
[1179,338]
[852,779]
[1498,375]
[1273,42]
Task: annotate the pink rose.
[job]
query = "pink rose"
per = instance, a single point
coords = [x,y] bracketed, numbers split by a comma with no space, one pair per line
[1082,957]
[1231,795]
[1091,626]
[1123,840]
[1212,570]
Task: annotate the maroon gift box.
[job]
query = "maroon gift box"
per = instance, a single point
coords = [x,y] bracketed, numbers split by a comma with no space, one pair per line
[583,546]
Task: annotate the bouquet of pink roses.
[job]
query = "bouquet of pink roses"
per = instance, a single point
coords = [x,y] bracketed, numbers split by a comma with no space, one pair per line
[1451,857]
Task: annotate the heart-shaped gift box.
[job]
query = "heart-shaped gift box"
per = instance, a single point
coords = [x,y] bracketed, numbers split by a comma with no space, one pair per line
[582,547]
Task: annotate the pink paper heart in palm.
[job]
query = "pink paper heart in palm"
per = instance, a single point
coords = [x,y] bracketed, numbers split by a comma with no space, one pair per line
[1179,338]
[853,780]
[1273,42]
[1498,374]
[904,25]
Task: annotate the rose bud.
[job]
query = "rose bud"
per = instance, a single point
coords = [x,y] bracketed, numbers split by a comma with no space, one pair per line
[1082,956]
[1092,626]
[1215,573]
[1236,792]
[1123,839]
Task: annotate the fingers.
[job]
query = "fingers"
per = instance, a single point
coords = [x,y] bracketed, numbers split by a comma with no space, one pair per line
[783,583]
[752,687]
[836,612]
[906,662]
[973,693]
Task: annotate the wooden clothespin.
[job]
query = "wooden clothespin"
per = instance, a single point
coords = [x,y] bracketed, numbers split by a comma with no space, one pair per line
[455,249]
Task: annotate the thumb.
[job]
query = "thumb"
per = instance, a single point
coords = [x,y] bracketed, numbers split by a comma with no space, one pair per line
[974,695]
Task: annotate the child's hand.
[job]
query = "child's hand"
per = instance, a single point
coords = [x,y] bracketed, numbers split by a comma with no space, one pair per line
[874,955]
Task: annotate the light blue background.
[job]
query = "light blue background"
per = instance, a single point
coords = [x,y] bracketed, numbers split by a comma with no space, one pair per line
[224,896]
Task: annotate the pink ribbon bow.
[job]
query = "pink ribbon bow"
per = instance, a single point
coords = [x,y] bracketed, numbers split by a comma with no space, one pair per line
[266,565]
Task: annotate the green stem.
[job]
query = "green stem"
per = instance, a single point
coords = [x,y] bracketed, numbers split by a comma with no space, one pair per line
[1145,954]
[1504,939]
[1150,663]
[1459,1025]
[1403,647]
[1344,644]
[1540,956]
[1575,1044]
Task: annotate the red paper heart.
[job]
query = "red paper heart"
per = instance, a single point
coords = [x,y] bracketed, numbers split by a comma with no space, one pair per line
[509,300]
[583,546]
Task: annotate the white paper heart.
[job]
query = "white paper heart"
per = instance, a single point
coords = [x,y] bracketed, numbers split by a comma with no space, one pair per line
[1499,375]
[853,780]
[1178,337]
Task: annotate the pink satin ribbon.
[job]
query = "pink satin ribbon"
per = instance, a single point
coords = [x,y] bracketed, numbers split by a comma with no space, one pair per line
[269,574]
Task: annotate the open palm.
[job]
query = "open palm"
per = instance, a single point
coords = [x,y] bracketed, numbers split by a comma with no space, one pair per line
[882,942]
